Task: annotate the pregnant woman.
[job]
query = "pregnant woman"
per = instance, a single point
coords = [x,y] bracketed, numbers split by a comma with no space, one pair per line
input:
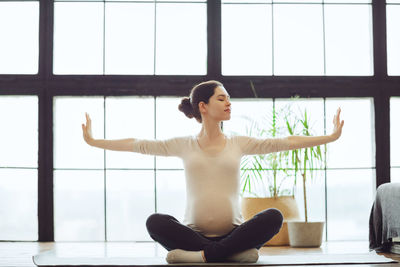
[213,229]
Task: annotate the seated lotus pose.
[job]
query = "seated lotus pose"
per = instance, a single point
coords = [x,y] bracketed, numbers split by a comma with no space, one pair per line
[213,229]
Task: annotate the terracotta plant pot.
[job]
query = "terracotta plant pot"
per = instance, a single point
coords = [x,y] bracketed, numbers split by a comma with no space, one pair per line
[286,204]
[305,234]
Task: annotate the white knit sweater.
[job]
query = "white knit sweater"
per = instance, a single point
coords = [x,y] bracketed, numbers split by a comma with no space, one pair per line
[212,180]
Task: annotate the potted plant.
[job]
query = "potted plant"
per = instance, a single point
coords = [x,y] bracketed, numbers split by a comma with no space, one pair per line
[267,181]
[305,161]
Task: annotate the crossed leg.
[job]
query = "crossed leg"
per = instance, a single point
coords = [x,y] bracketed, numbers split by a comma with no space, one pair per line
[171,234]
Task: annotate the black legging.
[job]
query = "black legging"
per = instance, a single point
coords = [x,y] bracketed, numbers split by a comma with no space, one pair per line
[171,234]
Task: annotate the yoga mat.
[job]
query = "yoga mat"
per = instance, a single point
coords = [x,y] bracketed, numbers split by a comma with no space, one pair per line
[52,258]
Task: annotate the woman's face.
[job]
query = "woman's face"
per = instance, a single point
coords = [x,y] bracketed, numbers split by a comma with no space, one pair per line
[219,105]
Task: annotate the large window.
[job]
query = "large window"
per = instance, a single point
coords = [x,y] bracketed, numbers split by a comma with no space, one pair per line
[132,37]
[297,38]
[118,60]
[18,167]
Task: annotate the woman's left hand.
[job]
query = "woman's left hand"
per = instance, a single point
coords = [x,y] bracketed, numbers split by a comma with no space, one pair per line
[337,125]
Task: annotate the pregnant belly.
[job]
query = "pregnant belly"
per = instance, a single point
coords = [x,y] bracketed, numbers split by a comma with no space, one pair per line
[213,216]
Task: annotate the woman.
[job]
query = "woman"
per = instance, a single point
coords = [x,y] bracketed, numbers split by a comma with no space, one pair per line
[213,229]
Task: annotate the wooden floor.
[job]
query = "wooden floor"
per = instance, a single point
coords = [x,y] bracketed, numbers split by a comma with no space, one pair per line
[19,254]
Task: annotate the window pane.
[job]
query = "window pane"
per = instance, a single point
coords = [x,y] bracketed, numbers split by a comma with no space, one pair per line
[130,201]
[394,132]
[129,117]
[79,205]
[78,42]
[19,137]
[129,38]
[348,215]
[181,41]
[296,109]
[18,205]
[70,150]
[357,135]
[244,112]
[246,43]
[298,40]
[171,193]
[348,40]
[315,187]
[172,123]
[315,114]
[19,46]
[395,175]
[393,39]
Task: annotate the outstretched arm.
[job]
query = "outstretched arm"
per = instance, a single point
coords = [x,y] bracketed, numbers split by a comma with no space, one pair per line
[297,142]
[117,145]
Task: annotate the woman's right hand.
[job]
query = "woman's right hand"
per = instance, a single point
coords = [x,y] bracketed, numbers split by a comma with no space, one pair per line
[87,130]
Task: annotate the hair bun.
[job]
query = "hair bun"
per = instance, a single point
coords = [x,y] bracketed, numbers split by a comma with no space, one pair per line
[186,107]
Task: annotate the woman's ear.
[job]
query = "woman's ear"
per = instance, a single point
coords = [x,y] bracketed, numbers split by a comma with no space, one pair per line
[202,107]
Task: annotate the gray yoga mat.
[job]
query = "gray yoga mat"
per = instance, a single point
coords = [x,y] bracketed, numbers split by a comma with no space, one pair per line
[52,258]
